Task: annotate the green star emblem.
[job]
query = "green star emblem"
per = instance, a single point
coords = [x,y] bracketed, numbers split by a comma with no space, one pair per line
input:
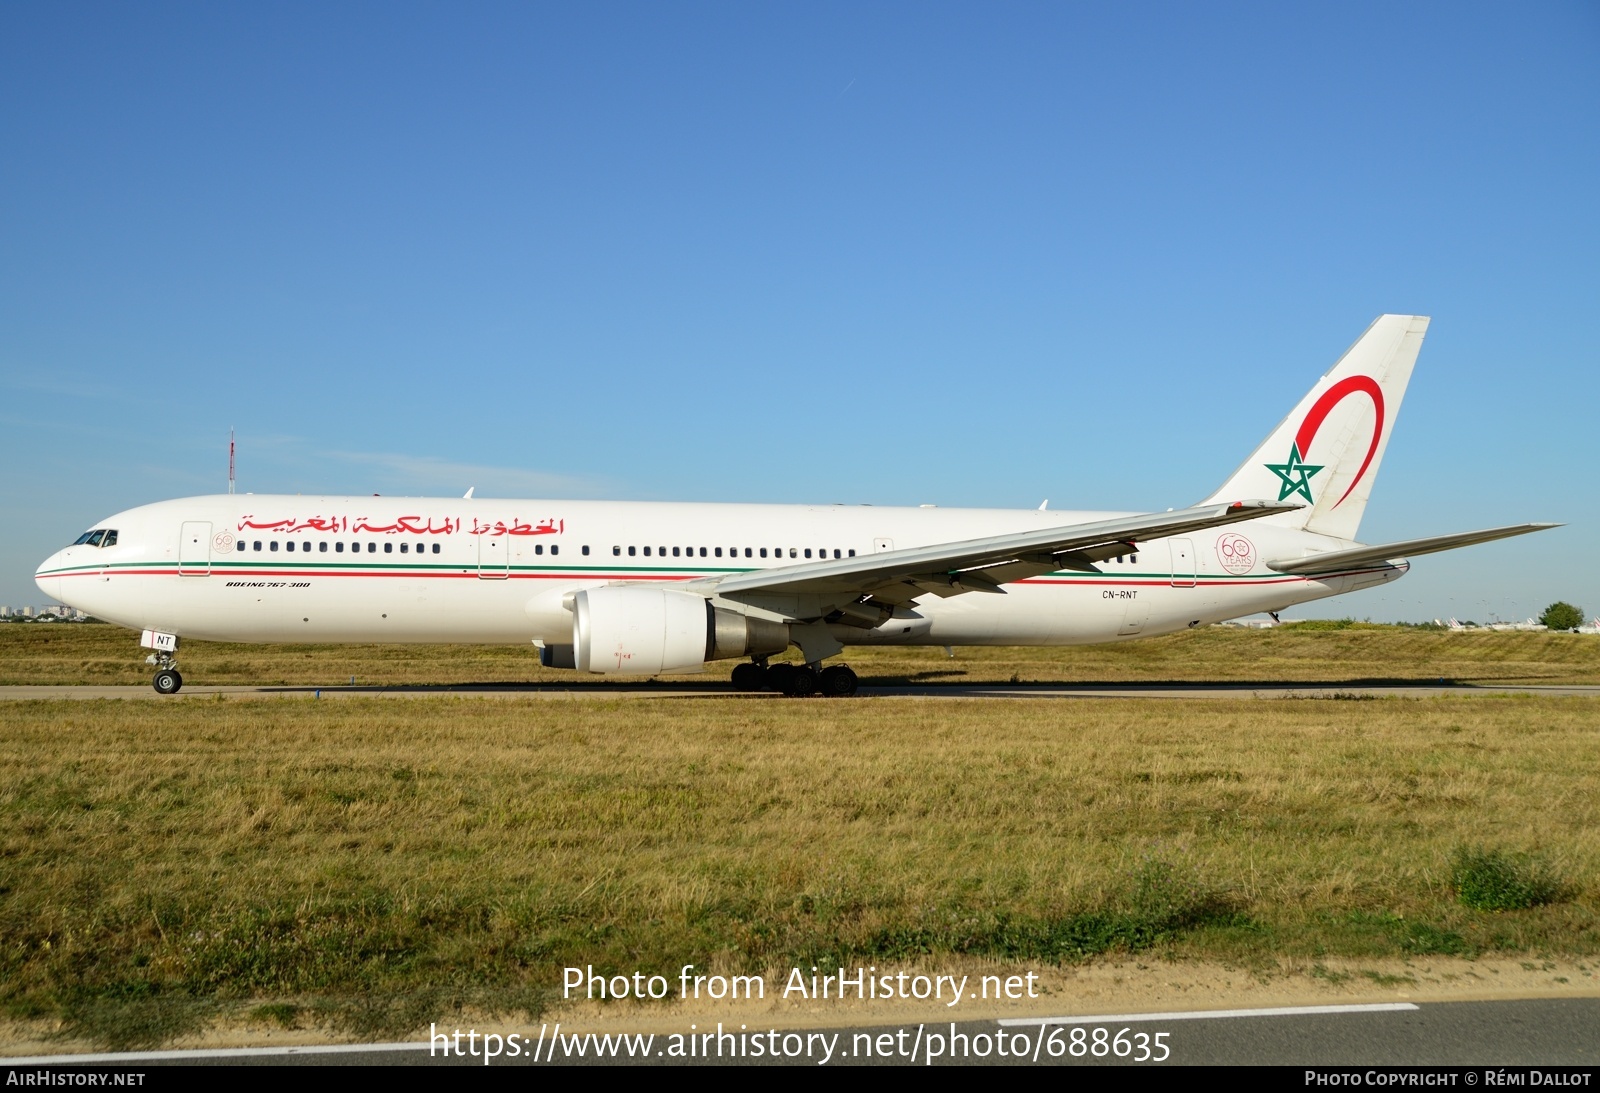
[1296,475]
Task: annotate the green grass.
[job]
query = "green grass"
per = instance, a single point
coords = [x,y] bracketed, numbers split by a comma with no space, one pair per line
[1495,880]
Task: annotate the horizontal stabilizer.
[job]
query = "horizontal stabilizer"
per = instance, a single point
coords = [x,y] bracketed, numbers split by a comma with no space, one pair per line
[1356,557]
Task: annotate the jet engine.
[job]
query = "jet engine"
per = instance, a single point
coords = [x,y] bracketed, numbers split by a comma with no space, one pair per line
[643,630]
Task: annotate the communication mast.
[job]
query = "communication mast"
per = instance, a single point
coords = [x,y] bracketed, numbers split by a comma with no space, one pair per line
[230,460]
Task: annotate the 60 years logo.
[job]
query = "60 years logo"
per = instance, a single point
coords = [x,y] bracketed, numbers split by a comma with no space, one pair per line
[1236,553]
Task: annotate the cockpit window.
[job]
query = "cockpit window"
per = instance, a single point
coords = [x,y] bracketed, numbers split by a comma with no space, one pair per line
[110,539]
[84,538]
[95,537]
[99,537]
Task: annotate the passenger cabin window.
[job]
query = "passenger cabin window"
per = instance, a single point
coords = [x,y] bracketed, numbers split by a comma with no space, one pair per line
[616,552]
[763,552]
[388,548]
[338,548]
[719,552]
[274,545]
[630,552]
[322,548]
[405,548]
[436,548]
[585,550]
[554,549]
[647,552]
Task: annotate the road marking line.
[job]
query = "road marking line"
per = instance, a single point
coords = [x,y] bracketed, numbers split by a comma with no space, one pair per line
[208,1053]
[1206,1015]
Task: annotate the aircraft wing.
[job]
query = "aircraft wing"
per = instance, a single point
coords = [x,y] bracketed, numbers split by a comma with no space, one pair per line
[980,565]
[1355,557]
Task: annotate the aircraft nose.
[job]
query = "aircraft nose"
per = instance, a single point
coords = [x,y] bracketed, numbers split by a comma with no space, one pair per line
[48,583]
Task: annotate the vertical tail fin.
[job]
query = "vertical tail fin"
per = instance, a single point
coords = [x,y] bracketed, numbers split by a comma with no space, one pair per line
[1327,451]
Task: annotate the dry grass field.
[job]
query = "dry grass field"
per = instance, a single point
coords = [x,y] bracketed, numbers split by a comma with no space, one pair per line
[54,653]
[374,863]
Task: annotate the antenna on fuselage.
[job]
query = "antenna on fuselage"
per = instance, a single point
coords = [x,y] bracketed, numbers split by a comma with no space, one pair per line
[230,459]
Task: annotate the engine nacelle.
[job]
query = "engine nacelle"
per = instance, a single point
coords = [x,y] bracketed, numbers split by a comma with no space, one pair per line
[642,630]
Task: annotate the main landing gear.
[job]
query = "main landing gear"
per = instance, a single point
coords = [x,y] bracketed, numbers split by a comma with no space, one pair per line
[796,680]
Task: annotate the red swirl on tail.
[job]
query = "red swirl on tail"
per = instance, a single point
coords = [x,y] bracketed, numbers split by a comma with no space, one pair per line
[1331,398]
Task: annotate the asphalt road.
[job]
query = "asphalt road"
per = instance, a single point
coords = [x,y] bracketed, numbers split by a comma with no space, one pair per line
[1481,1035]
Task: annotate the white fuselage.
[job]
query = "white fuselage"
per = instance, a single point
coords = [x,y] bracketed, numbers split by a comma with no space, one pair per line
[381,569]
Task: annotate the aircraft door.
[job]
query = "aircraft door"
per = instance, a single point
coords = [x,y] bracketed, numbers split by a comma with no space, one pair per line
[1182,563]
[1134,616]
[494,558]
[194,548]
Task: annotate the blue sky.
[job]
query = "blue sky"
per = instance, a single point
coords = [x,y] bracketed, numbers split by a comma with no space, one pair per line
[888,253]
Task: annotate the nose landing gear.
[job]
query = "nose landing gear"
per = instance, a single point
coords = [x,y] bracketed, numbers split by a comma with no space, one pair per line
[166,680]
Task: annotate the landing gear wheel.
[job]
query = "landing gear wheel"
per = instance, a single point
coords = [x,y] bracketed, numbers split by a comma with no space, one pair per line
[749,677]
[780,678]
[803,682]
[167,681]
[838,682]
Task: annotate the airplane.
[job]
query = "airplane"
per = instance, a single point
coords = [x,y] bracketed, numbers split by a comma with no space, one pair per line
[646,588]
